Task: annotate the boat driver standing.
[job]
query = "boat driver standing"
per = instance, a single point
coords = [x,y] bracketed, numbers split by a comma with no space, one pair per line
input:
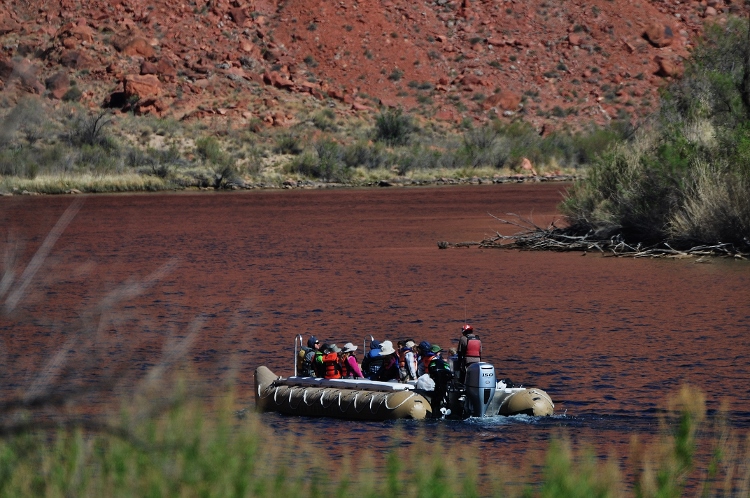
[469,350]
[440,372]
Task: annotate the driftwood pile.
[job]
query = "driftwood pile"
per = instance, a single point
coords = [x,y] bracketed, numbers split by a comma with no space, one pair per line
[553,238]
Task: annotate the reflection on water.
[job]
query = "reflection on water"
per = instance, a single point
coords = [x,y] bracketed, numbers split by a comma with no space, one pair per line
[609,339]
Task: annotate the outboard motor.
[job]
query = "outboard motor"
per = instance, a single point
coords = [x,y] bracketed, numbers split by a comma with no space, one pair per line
[480,387]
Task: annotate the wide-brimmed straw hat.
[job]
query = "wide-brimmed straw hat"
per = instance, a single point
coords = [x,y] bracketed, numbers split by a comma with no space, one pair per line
[386,348]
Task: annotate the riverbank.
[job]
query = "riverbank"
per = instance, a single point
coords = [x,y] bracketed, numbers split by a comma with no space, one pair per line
[48,185]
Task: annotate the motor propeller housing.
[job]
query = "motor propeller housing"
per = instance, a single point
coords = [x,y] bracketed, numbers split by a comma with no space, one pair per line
[480,388]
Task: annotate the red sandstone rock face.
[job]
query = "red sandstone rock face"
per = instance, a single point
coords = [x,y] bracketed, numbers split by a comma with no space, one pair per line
[142,86]
[451,59]
[659,34]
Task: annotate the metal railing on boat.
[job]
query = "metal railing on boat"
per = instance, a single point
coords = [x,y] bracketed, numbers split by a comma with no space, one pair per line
[297,347]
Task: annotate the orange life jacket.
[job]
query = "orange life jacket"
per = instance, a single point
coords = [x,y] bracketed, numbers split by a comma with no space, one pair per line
[332,366]
[474,348]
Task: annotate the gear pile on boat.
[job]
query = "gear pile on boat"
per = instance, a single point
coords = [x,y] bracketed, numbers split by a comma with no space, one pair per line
[478,394]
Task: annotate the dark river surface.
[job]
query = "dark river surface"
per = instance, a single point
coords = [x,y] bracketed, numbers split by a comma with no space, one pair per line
[240,274]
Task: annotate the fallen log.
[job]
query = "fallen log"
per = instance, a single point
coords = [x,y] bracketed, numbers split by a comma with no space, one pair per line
[553,238]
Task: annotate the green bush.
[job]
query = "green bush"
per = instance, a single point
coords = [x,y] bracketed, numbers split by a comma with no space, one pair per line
[90,130]
[684,179]
[396,75]
[360,153]
[393,127]
[288,143]
[326,163]
[209,149]
[324,120]
[483,147]
[18,161]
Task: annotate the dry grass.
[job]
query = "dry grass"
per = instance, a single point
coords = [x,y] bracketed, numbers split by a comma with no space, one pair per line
[84,183]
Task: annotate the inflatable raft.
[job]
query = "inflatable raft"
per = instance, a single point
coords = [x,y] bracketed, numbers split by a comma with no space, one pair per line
[481,395]
[339,398]
[357,399]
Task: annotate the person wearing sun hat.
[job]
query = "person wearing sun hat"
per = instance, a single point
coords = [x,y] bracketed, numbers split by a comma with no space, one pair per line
[349,363]
[389,370]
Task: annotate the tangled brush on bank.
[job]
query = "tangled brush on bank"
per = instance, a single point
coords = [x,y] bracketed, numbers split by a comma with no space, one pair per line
[553,238]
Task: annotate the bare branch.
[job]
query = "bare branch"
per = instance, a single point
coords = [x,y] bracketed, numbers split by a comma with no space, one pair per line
[535,238]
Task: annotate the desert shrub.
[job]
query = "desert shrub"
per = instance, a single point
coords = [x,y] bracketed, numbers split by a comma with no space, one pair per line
[98,159]
[590,144]
[483,147]
[221,163]
[288,143]
[137,158]
[324,120]
[90,130]
[417,157]
[623,196]
[25,118]
[156,162]
[224,174]
[305,164]
[326,163]
[715,207]
[18,161]
[361,153]
[393,127]
[73,94]
[209,149]
[55,159]
[330,164]
[255,124]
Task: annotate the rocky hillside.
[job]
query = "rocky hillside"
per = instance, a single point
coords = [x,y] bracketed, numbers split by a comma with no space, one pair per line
[259,61]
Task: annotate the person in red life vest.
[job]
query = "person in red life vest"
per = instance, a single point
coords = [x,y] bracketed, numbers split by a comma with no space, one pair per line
[389,370]
[469,350]
[349,366]
[331,365]
[317,361]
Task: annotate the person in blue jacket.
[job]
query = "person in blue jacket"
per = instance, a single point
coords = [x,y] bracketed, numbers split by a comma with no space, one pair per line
[372,362]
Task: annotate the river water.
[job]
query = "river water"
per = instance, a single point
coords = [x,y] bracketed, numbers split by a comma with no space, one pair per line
[227,280]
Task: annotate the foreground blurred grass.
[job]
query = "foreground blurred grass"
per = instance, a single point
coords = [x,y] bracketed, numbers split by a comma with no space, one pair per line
[192,449]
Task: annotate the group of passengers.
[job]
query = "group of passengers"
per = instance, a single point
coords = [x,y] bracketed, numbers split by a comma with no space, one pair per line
[329,361]
[406,362]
